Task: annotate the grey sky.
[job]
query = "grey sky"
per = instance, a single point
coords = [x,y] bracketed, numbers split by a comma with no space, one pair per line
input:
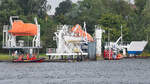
[55,3]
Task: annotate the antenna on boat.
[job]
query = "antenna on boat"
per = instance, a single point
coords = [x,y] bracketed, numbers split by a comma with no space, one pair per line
[108,36]
[121,35]
[147,37]
[85,30]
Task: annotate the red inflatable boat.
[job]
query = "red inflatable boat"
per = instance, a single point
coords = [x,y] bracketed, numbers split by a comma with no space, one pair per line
[28,59]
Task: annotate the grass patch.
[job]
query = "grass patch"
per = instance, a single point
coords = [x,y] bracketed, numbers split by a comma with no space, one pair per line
[4,57]
[43,56]
[145,54]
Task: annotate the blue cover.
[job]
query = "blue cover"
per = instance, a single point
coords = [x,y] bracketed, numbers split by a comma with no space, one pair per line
[134,52]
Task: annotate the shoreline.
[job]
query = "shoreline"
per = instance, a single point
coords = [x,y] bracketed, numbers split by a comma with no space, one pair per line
[137,57]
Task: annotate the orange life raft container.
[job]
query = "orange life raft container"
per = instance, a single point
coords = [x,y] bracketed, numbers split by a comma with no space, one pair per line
[77,29]
[19,28]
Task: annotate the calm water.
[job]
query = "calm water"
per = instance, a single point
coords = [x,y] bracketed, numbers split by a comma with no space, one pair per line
[126,71]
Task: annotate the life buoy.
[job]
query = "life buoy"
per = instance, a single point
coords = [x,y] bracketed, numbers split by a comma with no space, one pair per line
[119,56]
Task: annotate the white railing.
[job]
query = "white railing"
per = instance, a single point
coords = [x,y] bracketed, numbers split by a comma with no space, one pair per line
[21,44]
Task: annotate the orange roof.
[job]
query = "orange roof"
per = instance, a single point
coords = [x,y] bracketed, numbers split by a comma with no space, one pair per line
[19,28]
[81,32]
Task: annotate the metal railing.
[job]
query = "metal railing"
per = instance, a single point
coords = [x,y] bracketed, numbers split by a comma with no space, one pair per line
[50,50]
[123,43]
[21,44]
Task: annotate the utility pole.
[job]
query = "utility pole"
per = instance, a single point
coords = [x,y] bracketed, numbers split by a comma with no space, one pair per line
[108,36]
[147,37]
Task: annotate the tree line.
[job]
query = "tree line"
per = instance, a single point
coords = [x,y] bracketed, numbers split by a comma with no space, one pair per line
[109,14]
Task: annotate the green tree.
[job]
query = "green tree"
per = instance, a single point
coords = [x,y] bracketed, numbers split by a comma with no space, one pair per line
[112,23]
[90,11]
[63,8]
[140,5]
[39,7]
